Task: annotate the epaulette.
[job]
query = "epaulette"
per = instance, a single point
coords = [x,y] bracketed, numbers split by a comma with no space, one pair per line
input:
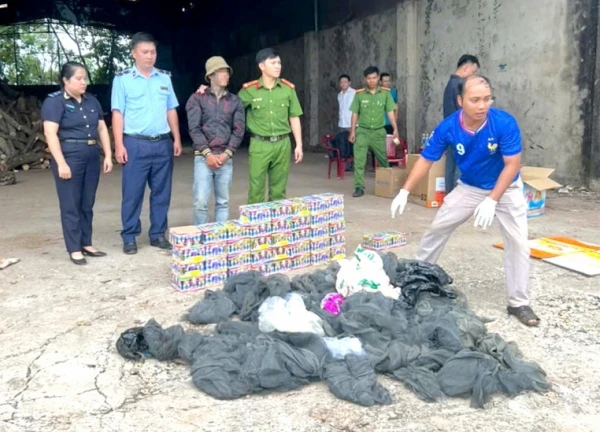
[385,88]
[251,83]
[124,72]
[287,83]
[166,72]
[360,90]
[54,94]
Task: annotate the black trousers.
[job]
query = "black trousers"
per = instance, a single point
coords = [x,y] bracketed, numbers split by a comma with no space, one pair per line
[77,195]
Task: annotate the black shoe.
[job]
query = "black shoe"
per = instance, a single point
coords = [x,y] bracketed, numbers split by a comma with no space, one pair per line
[358,192]
[130,248]
[80,261]
[96,254]
[161,243]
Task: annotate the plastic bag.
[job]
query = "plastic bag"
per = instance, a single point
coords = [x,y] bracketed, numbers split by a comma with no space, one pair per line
[339,348]
[288,315]
[332,303]
[364,272]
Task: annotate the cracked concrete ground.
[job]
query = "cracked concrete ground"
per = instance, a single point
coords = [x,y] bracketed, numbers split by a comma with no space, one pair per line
[59,370]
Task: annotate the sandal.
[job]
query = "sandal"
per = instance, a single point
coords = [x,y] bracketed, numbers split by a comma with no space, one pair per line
[524,314]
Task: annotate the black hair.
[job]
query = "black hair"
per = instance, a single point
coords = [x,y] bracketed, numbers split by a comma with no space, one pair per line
[466,59]
[68,70]
[462,85]
[371,70]
[344,76]
[266,54]
[141,37]
[384,74]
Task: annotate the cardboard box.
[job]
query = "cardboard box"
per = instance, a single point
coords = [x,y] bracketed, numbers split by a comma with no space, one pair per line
[431,190]
[388,181]
[535,185]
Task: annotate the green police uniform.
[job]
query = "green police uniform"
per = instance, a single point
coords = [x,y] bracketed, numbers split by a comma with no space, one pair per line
[268,120]
[371,108]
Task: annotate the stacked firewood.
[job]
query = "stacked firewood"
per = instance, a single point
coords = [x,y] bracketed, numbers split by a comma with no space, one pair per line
[22,142]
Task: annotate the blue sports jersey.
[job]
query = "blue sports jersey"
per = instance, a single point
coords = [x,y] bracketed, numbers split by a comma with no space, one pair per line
[479,155]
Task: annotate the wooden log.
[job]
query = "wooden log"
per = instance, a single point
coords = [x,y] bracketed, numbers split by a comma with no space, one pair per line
[7,148]
[26,158]
[12,122]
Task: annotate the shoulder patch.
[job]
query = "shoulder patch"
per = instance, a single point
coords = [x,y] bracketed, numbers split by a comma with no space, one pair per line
[287,83]
[255,83]
[123,72]
[360,90]
[165,72]
[54,94]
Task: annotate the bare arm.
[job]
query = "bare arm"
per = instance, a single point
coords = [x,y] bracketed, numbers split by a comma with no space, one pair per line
[392,117]
[296,130]
[421,168]
[117,128]
[173,120]
[512,165]
[354,121]
[51,134]
[104,139]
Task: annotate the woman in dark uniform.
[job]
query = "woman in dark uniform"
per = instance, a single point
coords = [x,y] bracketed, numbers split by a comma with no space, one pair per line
[73,126]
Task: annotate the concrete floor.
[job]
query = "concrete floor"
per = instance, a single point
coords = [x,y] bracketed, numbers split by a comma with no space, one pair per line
[59,369]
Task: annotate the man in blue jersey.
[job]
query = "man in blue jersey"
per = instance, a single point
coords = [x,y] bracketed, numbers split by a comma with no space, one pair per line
[487,149]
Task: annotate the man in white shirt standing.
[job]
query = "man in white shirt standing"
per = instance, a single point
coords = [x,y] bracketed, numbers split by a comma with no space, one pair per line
[345,98]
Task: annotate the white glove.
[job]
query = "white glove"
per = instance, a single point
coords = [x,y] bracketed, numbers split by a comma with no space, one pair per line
[484,213]
[399,202]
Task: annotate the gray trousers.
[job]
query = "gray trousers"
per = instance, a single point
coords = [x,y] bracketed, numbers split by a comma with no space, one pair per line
[511,213]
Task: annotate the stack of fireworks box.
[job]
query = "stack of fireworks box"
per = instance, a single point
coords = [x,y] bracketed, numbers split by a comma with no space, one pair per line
[269,237]
[384,240]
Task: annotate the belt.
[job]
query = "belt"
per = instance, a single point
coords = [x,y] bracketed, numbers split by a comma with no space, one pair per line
[153,138]
[80,141]
[270,139]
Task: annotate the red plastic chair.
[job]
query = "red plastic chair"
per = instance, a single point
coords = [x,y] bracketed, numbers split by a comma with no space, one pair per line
[395,153]
[335,157]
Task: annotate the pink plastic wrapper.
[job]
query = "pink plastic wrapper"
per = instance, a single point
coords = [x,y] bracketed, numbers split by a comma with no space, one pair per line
[332,303]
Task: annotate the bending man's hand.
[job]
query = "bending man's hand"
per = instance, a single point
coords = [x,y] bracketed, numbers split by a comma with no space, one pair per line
[399,202]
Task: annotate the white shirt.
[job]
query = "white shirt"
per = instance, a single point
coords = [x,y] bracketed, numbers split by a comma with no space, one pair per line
[344,101]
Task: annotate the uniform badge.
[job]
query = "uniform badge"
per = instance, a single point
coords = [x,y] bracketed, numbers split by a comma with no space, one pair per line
[165,88]
[70,107]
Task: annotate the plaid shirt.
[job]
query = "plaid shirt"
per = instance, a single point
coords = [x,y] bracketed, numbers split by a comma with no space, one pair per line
[215,127]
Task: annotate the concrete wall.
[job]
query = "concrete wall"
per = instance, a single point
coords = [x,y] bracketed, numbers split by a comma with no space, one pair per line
[539,54]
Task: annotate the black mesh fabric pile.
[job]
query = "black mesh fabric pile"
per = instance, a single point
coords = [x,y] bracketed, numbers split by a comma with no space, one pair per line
[428,339]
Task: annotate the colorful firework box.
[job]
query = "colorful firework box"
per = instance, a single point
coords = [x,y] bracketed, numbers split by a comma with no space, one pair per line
[215,280]
[270,268]
[237,270]
[337,252]
[198,254]
[319,231]
[337,240]
[281,209]
[187,285]
[254,214]
[336,228]
[301,261]
[239,246]
[335,201]
[245,259]
[320,257]
[318,245]
[384,240]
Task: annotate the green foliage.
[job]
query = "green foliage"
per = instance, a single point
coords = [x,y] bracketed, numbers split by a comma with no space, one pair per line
[32,53]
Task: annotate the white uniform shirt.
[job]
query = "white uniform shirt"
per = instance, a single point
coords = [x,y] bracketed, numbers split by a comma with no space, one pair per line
[344,101]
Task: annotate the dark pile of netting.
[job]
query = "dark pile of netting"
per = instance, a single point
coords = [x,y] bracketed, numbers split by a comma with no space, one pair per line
[428,339]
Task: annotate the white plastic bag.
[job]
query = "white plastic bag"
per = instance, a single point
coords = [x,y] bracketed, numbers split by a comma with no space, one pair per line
[339,348]
[288,315]
[364,272]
